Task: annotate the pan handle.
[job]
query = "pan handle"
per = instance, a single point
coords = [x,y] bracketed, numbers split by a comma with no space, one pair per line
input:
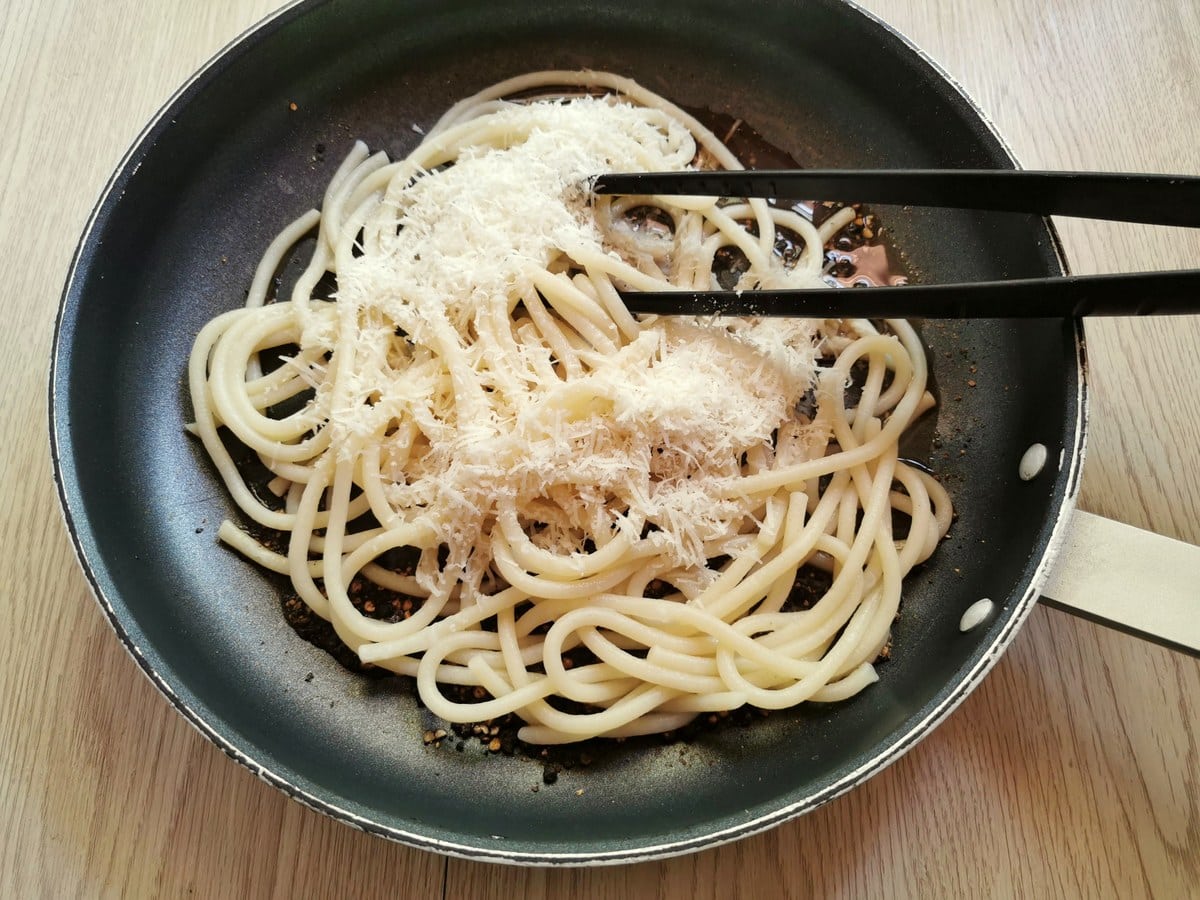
[1128,579]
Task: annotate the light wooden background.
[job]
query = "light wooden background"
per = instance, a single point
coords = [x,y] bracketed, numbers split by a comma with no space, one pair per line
[1073,770]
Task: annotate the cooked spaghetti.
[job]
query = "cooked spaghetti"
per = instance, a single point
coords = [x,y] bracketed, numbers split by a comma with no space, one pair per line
[605,516]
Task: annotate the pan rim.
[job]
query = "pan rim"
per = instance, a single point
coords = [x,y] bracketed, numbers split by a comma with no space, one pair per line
[72,515]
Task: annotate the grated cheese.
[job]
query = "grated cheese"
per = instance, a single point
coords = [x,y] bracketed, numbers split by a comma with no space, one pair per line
[648,432]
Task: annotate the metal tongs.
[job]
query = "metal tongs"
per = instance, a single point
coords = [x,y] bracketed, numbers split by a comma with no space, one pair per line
[1121,197]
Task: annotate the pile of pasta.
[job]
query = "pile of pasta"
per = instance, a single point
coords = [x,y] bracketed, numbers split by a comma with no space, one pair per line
[606,515]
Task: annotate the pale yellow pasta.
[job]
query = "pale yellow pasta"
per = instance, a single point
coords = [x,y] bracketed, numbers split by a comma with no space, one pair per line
[599,509]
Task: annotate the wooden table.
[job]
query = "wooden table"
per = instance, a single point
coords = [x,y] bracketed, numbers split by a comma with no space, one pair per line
[1074,770]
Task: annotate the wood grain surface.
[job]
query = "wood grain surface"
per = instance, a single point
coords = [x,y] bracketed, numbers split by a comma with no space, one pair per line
[1072,771]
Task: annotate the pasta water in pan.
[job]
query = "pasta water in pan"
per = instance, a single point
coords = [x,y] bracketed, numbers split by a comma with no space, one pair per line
[605,517]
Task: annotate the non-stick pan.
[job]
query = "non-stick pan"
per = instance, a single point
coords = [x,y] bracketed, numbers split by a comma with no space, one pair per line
[250,143]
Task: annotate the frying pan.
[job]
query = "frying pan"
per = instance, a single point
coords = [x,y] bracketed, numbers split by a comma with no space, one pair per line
[250,143]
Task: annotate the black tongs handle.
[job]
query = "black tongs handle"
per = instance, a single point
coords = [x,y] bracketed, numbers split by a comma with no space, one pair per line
[1170,293]
[1120,197]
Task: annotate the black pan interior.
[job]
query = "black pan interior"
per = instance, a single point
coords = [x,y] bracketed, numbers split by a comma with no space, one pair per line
[176,239]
